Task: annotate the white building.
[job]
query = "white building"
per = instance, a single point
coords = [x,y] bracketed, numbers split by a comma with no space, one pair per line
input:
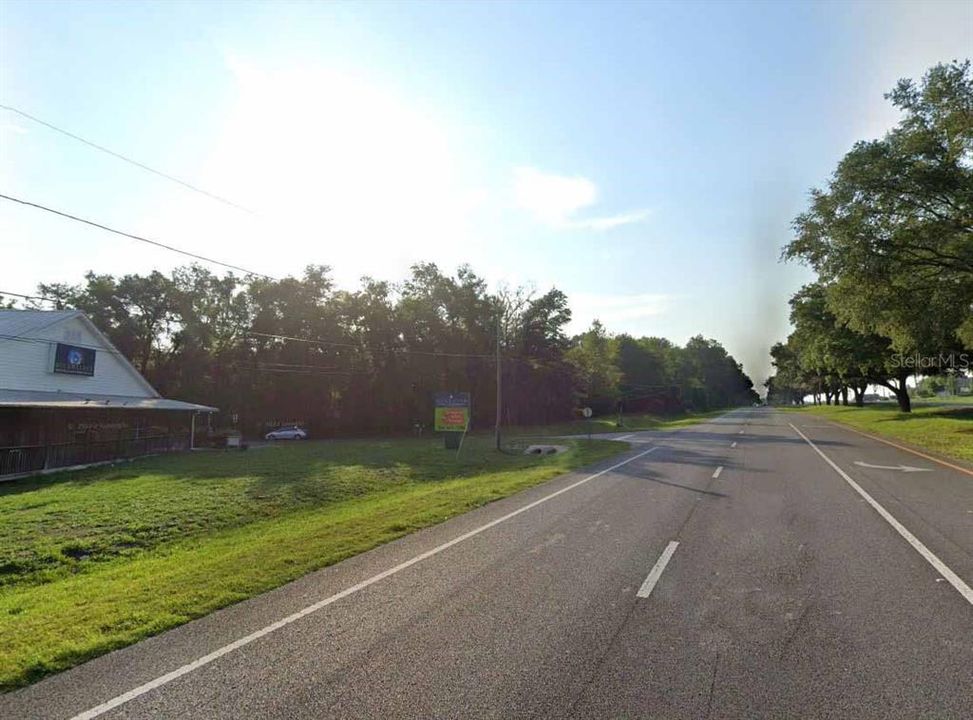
[69,397]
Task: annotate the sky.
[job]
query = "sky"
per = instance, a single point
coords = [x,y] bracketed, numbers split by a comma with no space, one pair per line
[647,158]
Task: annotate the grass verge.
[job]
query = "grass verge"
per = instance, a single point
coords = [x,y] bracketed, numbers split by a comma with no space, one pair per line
[96,560]
[608,424]
[944,430]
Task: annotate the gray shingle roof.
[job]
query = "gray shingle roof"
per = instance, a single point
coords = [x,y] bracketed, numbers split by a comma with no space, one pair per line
[37,398]
[23,322]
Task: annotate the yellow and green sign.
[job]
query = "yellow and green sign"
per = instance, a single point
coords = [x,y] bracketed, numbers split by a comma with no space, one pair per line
[452,413]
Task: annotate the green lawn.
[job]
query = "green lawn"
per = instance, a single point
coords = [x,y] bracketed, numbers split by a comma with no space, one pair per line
[607,424]
[947,400]
[945,430]
[96,560]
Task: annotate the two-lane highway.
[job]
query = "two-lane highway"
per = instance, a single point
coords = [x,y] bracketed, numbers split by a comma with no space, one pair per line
[732,569]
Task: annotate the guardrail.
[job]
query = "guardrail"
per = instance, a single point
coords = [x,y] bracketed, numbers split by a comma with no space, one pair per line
[36,458]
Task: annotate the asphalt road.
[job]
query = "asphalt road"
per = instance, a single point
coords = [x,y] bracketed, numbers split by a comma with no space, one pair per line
[794,588]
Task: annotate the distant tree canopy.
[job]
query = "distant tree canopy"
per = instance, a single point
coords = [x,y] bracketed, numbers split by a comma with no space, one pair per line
[369,361]
[891,240]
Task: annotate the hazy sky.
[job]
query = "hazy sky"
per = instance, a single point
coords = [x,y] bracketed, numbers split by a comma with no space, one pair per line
[646,158]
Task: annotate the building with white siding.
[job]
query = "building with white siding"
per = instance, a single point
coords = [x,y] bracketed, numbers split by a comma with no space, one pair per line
[69,397]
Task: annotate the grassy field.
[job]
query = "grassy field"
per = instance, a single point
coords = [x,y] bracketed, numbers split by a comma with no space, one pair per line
[942,429]
[96,560]
[607,424]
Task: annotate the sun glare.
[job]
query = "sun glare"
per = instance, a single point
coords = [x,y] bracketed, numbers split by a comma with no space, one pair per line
[337,167]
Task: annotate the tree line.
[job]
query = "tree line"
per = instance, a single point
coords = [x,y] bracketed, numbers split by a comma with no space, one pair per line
[891,242]
[368,361]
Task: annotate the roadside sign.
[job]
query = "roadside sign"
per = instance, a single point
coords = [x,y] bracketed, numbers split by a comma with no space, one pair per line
[586,412]
[452,413]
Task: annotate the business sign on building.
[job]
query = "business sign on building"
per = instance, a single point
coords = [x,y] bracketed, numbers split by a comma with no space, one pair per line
[452,413]
[74,360]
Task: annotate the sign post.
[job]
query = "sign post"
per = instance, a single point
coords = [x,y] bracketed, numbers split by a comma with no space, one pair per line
[587,416]
[452,416]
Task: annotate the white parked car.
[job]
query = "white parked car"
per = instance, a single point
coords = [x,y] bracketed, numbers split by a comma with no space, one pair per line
[288,432]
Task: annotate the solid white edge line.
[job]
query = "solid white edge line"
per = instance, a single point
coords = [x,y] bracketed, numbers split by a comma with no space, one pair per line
[625,437]
[237,644]
[718,471]
[955,580]
[656,572]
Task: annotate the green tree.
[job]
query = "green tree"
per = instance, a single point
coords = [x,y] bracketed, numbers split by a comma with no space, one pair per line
[369,360]
[892,236]
[840,357]
[645,383]
[594,357]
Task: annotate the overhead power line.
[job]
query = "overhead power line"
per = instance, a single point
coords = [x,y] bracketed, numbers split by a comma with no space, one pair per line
[29,297]
[263,365]
[256,368]
[44,341]
[399,351]
[129,160]
[272,336]
[300,371]
[135,237]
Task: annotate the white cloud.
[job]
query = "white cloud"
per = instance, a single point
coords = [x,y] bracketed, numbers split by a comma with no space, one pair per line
[620,313]
[12,128]
[555,200]
[552,199]
[612,221]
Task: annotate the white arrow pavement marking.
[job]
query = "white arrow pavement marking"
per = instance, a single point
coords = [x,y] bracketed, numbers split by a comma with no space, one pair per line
[314,607]
[901,468]
[955,580]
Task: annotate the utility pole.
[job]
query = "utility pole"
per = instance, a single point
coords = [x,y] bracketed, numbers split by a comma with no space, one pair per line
[499,395]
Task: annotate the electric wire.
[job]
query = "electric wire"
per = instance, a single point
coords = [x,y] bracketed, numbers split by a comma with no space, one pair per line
[156,243]
[129,160]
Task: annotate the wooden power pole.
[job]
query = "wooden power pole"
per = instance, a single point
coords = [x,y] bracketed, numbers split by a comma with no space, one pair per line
[499,394]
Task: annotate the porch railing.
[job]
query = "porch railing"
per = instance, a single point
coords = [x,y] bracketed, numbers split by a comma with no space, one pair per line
[34,458]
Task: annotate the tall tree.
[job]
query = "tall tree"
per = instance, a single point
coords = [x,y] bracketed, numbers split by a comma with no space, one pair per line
[892,236]
[838,356]
[594,357]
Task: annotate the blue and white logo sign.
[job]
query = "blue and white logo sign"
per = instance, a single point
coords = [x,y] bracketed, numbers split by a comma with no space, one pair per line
[74,360]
